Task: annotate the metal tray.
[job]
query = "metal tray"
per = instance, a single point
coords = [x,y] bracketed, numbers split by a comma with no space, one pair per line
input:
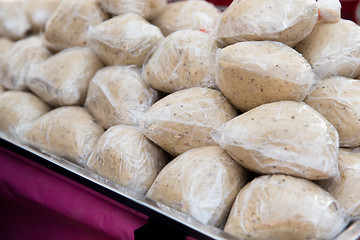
[138,202]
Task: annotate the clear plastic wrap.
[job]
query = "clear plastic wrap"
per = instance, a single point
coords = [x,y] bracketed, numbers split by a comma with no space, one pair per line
[67,132]
[118,95]
[337,99]
[125,40]
[283,137]
[68,25]
[283,207]
[125,156]
[287,21]
[194,15]
[183,120]
[148,9]
[333,49]
[39,12]
[63,79]
[253,73]
[18,111]
[18,61]
[202,182]
[346,187]
[13,20]
[184,59]
[329,10]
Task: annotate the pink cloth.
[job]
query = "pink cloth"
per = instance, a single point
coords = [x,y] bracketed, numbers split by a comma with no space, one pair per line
[37,203]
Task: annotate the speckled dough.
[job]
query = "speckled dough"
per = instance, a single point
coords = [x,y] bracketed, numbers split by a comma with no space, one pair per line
[346,187]
[282,207]
[125,156]
[287,21]
[283,137]
[253,73]
[13,21]
[195,15]
[68,25]
[57,133]
[39,12]
[63,79]
[5,45]
[337,99]
[18,61]
[183,120]
[18,110]
[202,182]
[333,49]
[118,95]
[184,59]
[125,40]
[148,9]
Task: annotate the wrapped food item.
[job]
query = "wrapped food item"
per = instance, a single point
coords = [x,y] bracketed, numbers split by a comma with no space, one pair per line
[125,40]
[5,45]
[184,59]
[283,207]
[39,12]
[125,156]
[18,111]
[67,132]
[194,15]
[184,120]
[117,95]
[337,99]
[346,187]
[17,62]
[148,9]
[253,73]
[68,25]
[13,20]
[333,49]
[202,182]
[283,137]
[287,21]
[329,10]
[63,79]
[1,88]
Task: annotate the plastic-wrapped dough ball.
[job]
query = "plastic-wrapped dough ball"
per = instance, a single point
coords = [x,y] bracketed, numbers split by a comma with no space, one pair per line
[346,187]
[68,25]
[184,59]
[280,207]
[287,21]
[253,73]
[194,15]
[68,132]
[283,137]
[337,99]
[183,120]
[13,20]
[148,9]
[118,95]
[39,11]
[63,79]
[127,39]
[202,182]
[18,111]
[333,49]
[125,156]
[329,10]
[17,62]
[5,45]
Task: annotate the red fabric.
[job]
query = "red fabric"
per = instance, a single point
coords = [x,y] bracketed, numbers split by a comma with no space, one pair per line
[37,203]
